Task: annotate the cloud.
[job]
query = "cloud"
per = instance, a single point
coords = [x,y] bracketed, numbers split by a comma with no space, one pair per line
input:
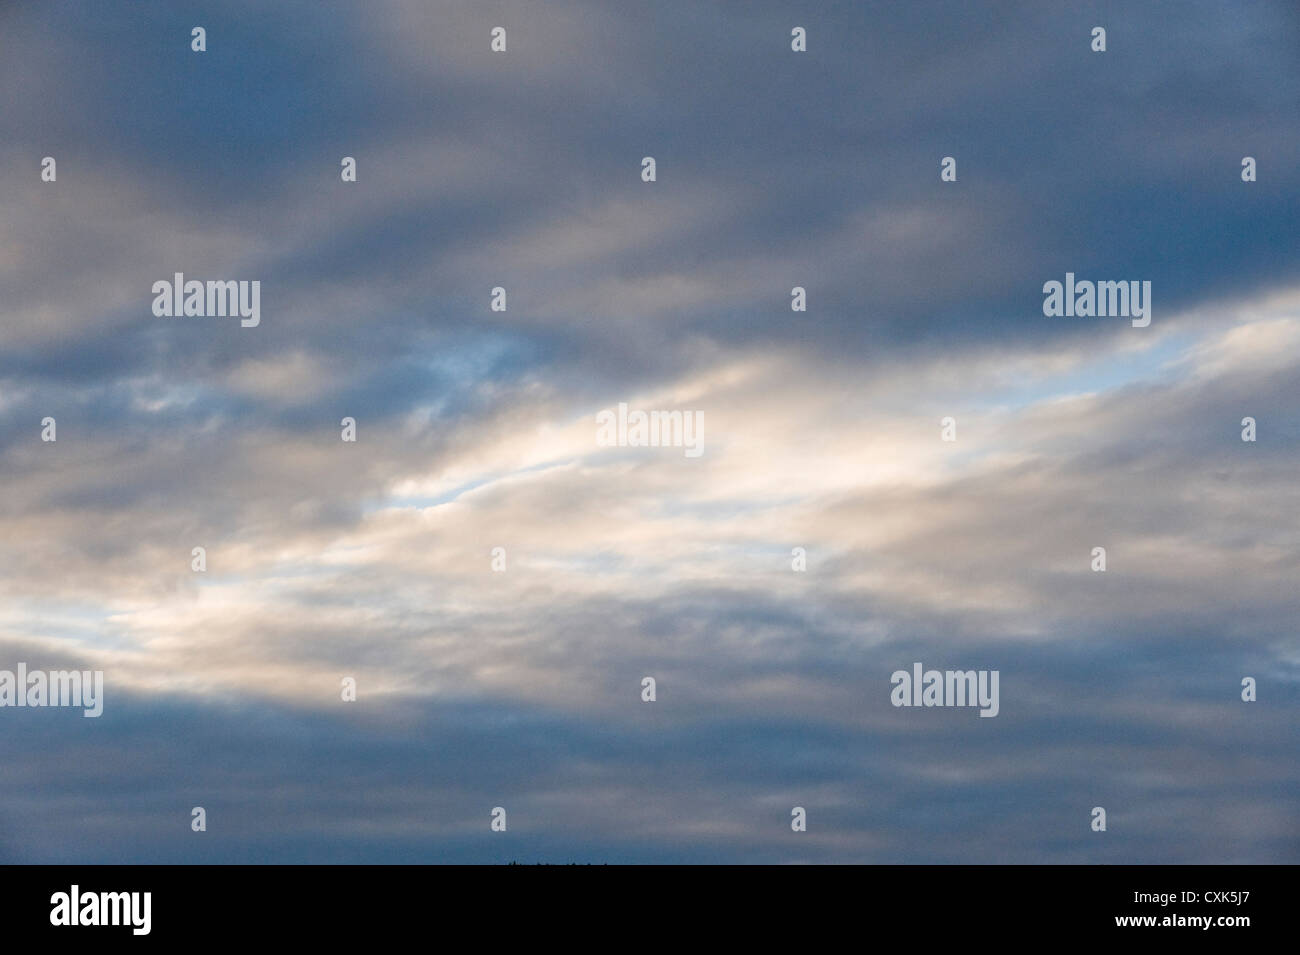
[476,430]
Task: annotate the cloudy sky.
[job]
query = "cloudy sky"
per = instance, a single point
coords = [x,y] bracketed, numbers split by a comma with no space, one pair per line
[477,429]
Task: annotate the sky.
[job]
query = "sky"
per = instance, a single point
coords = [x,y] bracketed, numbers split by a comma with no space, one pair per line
[476,429]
